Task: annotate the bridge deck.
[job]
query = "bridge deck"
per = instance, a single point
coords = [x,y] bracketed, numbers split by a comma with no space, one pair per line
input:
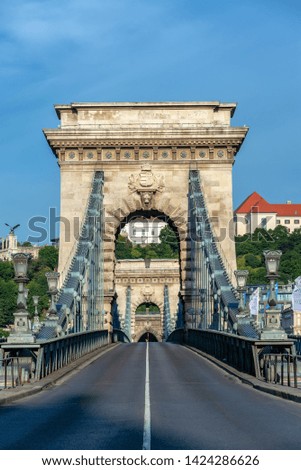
[195,407]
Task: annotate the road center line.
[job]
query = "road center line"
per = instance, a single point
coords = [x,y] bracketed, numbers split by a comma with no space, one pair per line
[147,411]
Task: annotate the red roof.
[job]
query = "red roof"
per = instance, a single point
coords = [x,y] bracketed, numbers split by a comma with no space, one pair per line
[256,203]
[287,209]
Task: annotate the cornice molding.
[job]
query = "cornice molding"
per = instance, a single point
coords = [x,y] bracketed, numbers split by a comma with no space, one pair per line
[148,143]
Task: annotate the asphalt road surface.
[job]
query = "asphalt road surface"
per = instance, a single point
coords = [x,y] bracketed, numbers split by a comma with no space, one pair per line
[191,404]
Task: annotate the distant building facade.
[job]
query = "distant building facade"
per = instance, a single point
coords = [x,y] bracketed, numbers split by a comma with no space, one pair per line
[144,231]
[9,247]
[255,212]
[290,318]
[291,321]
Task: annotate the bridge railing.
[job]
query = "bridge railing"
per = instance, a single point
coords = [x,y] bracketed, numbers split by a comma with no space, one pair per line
[234,350]
[274,362]
[281,369]
[33,363]
[57,353]
[30,363]
[14,371]
[297,339]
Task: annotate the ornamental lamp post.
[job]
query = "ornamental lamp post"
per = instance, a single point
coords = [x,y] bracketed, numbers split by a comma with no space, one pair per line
[69,319]
[241,280]
[272,261]
[35,299]
[20,261]
[36,320]
[272,328]
[225,318]
[21,333]
[52,280]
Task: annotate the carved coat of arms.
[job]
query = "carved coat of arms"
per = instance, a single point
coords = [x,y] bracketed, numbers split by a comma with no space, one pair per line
[147,293]
[146,184]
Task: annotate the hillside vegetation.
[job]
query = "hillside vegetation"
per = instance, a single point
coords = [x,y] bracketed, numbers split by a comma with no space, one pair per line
[249,253]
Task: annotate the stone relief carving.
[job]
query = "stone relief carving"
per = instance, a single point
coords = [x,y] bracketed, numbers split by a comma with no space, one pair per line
[147,293]
[146,184]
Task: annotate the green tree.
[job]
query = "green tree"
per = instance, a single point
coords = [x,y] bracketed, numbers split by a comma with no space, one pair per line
[168,248]
[3,333]
[8,300]
[48,256]
[123,248]
[253,261]
[169,238]
[38,286]
[257,276]
[250,248]
[6,270]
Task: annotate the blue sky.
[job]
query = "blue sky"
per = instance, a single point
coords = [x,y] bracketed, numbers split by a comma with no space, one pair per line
[62,51]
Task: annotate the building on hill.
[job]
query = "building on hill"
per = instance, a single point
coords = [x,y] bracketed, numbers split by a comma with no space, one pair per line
[9,247]
[255,212]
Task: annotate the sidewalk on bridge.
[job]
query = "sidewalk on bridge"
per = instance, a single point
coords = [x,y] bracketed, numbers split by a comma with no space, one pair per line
[281,391]
[11,394]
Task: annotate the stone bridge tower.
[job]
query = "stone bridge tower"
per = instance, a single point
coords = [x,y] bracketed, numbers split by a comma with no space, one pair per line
[145,151]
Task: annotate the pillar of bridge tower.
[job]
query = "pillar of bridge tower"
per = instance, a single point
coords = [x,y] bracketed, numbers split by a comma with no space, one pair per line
[108,319]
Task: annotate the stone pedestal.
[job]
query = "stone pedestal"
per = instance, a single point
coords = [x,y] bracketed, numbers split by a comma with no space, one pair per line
[273,329]
[22,332]
[270,334]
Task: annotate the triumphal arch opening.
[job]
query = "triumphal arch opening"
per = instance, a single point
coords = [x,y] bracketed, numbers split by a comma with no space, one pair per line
[145,151]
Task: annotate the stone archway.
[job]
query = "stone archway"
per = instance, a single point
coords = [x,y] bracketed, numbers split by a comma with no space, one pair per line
[146,333]
[131,205]
[148,320]
[147,281]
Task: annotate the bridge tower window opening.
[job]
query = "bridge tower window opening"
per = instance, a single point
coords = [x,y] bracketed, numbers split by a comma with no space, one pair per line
[147,308]
[147,234]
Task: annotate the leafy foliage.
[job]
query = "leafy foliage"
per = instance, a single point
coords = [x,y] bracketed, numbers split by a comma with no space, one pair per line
[48,256]
[168,248]
[152,308]
[24,244]
[3,333]
[37,285]
[6,270]
[8,299]
[249,252]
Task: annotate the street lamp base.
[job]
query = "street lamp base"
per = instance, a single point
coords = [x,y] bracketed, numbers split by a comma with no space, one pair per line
[21,333]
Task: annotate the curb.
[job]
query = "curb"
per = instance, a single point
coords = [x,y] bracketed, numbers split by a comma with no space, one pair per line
[11,394]
[287,393]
